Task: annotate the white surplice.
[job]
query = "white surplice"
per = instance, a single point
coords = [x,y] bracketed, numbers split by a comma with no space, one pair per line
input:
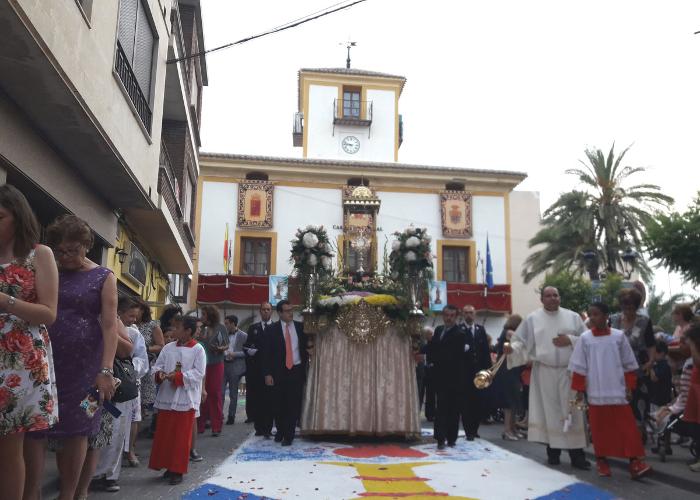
[193,365]
[604,360]
[550,382]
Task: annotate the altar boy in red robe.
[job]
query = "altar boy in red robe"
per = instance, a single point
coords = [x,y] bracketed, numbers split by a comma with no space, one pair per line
[179,371]
[603,366]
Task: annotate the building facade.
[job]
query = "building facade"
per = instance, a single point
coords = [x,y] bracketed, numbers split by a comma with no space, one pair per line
[349,181]
[97,119]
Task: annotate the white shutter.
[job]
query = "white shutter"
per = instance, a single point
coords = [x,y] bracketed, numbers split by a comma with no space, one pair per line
[143,51]
[127,26]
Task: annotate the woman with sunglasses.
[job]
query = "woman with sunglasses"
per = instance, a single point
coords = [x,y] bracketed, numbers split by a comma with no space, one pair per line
[28,291]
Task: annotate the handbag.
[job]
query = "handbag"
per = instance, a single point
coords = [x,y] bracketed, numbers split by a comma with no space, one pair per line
[128,388]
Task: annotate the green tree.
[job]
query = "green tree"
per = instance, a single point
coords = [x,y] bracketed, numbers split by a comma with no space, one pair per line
[575,291]
[606,216]
[607,291]
[674,239]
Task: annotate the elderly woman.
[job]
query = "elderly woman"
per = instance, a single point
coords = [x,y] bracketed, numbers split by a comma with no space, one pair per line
[28,295]
[640,334]
[84,339]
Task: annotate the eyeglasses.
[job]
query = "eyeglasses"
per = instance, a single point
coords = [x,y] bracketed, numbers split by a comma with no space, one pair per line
[69,252]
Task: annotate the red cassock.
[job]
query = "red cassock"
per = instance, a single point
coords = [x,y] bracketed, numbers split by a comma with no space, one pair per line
[172,442]
[613,427]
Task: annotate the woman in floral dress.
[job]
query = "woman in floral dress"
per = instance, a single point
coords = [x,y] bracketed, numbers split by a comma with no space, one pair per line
[28,297]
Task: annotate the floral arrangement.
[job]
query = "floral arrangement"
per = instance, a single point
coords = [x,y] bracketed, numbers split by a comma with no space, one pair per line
[410,253]
[312,252]
[352,298]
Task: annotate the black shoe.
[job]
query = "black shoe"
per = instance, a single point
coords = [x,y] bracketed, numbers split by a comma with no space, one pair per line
[451,444]
[207,425]
[287,442]
[249,421]
[98,484]
[470,437]
[260,433]
[175,478]
[441,446]
[230,420]
[167,474]
[581,463]
[551,460]
[195,457]
[215,434]
[278,437]
[111,485]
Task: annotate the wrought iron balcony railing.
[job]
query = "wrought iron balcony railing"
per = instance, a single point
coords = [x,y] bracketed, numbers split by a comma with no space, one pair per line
[350,112]
[128,78]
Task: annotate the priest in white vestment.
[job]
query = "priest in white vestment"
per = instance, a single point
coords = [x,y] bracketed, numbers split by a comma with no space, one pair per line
[546,338]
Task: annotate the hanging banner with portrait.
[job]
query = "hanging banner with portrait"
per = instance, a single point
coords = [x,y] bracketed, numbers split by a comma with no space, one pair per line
[456,208]
[255,204]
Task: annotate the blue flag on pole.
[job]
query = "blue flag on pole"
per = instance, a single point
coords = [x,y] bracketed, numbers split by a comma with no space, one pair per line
[489,265]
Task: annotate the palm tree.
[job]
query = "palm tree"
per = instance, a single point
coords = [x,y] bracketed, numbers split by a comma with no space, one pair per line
[605,217]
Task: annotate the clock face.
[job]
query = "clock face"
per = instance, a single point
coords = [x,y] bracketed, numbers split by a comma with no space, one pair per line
[351,144]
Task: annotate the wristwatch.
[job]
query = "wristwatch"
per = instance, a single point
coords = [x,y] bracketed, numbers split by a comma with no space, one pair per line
[11,301]
[107,371]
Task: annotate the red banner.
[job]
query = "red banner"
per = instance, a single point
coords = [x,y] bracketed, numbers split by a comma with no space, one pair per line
[494,299]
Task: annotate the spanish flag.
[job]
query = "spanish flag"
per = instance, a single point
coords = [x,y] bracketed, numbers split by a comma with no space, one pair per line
[227,251]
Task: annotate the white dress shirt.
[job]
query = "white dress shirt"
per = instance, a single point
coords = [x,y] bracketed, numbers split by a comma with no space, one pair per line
[296,357]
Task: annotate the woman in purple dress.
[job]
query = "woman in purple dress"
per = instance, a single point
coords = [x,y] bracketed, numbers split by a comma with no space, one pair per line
[28,290]
[84,339]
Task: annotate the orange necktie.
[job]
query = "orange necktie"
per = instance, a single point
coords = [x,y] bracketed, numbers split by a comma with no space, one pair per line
[289,357]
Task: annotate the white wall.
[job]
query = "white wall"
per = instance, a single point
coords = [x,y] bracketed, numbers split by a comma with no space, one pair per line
[219,201]
[524,224]
[489,219]
[376,142]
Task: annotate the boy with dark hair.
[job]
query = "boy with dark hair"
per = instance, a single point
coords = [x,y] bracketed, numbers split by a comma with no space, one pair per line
[179,371]
[661,379]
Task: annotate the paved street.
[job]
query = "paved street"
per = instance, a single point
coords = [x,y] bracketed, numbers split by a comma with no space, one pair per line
[491,467]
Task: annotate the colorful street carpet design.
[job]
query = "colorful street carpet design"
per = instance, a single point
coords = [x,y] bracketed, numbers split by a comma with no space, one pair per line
[310,470]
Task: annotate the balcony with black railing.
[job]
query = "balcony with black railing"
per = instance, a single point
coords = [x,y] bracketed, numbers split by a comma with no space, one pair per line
[351,112]
[131,85]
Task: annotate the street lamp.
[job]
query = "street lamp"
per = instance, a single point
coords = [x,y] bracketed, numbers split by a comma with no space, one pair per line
[629,259]
[590,257]
[121,255]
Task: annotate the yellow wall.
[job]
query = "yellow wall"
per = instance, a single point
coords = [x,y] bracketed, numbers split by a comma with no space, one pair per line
[155,291]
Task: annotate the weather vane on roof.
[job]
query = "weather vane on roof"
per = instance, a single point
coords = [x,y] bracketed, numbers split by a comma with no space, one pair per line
[348,45]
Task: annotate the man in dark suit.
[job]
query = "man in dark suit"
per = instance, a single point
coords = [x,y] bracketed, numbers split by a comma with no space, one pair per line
[477,357]
[284,366]
[256,404]
[446,354]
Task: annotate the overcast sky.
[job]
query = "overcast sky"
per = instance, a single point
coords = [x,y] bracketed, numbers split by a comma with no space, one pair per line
[503,84]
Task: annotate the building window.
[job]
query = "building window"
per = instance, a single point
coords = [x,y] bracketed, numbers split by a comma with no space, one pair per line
[455,264]
[351,102]
[134,61]
[85,8]
[256,254]
[179,285]
[187,199]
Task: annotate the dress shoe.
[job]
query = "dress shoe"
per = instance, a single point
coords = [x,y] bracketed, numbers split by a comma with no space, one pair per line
[230,420]
[287,442]
[175,478]
[470,437]
[451,444]
[581,463]
[278,437]
[249,421]
[215,434]
[167,474]
[441,446]
[603,467]
[195,457]
[551,460]
[639,468]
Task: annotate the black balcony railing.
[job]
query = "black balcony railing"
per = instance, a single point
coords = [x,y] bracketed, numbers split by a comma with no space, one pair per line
[126,75]
[166,168]
[346,112]
[400,130]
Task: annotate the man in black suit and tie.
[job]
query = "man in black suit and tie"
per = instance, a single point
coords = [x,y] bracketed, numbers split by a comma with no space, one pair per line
[446,353]
[256,403]
[284,366]
[477,357]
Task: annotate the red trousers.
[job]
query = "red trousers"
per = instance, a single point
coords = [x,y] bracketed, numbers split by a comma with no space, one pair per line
[213,408]
[172,442]
[615,432]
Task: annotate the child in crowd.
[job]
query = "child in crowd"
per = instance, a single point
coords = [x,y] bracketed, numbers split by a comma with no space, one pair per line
[691,415]
[603,365]
[661,387]
[179,371]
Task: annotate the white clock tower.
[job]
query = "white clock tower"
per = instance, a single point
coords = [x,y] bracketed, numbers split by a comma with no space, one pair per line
[349,114]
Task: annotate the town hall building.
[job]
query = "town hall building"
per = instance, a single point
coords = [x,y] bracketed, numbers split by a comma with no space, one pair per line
[349,180]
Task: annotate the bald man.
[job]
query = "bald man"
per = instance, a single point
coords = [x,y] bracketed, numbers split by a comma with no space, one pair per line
[546,338]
